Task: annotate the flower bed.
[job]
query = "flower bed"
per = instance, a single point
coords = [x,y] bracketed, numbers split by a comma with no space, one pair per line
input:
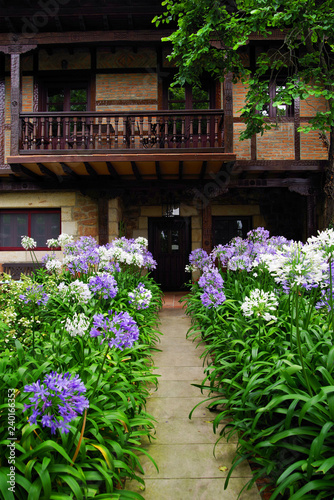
[267,323]
[75,371]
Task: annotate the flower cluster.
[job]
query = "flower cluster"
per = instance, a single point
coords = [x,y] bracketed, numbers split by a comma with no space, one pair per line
[260,304]
[297,265]
[56,401]
[118,330]
[212,284]
[140,297]
[77,291]
[28,243]
[82,255]
[199,259]
[130,252]
[78,325]
[34,294]
[245,254]
[103,285]
[51,263]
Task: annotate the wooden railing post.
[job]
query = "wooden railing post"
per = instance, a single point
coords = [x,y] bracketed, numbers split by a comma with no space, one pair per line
[15,103]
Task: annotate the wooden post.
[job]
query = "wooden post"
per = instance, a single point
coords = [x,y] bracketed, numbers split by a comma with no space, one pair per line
[311,215]
[228,114]
[15,103]
[103,220]
[207,228]
[2,110]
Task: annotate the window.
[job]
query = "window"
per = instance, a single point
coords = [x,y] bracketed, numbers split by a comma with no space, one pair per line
[282,110]
[40,225]
[226,228]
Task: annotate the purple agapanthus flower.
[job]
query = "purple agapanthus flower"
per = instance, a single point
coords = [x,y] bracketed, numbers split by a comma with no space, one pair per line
[34,294]
[119,330]
[140,297]
[199,258]
[212,284]
[103,285]
[56,401]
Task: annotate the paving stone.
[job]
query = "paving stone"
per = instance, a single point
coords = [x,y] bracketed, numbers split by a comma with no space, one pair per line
[172,358]
[178,389]
[193,489]
[183,448]
[177,408]
[185,431]
[190,373]
[191,461]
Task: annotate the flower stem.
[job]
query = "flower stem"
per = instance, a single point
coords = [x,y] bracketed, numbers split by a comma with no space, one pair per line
[99,376]
[298,339]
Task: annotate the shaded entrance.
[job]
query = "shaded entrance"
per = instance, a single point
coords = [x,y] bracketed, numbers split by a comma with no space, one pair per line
[169,242]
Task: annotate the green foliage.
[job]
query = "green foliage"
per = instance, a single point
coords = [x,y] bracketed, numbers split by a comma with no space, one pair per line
[277,399]
[101,449]
[213,36]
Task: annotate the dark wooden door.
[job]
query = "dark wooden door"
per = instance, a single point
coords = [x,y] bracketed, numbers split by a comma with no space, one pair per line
[169,242]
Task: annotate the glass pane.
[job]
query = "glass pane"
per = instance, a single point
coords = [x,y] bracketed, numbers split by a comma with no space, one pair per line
[201,99]
[163,241]
[175,240]
[78,99]
[44,226]
[281,108]
[12,227]
[56,97]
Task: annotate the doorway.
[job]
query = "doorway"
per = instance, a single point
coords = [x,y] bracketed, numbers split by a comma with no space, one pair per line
[169,242]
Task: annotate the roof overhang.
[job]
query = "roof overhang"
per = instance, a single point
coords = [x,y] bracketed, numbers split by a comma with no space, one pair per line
[137,166]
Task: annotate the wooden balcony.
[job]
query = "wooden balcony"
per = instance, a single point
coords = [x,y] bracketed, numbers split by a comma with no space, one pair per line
[111,132]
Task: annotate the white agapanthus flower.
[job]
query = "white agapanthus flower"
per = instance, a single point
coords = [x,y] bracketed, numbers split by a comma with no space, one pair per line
[64,239]
[54,265]
[78,325]
[76,291]
[52,243]
[260,304]
[142,241]
[324,242]
[297,264]
[28,243]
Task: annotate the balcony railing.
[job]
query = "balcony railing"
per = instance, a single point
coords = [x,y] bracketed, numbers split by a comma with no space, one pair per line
[68,131]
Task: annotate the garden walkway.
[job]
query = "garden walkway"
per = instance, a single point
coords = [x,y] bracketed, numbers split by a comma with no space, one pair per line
[183,448]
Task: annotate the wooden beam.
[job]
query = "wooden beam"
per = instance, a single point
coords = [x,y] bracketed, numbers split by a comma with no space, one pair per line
[136,172]
[20,169]
[112,171]
[203,169]
[106,25]
[58,24]
[228,113]
[207,227]
[47,38]
[181,170]
[82,23]
[296,123]
[90,170]
[15,103]
[116,155]
[158,170]
[45,171]
[67,170]
[281,165]
[103,220]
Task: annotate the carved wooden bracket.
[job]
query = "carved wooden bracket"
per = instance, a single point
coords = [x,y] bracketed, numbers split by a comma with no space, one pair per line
[16,49]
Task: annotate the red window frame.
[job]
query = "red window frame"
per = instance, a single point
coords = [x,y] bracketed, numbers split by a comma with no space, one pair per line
[29,212]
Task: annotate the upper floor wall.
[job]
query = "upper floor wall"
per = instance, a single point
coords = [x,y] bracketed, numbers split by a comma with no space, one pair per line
[136,78]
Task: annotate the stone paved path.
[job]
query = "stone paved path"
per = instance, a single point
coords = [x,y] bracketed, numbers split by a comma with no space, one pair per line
[183,448]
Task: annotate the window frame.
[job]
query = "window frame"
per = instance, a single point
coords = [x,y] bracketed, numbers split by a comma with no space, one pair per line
[272,113]
[29,212]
